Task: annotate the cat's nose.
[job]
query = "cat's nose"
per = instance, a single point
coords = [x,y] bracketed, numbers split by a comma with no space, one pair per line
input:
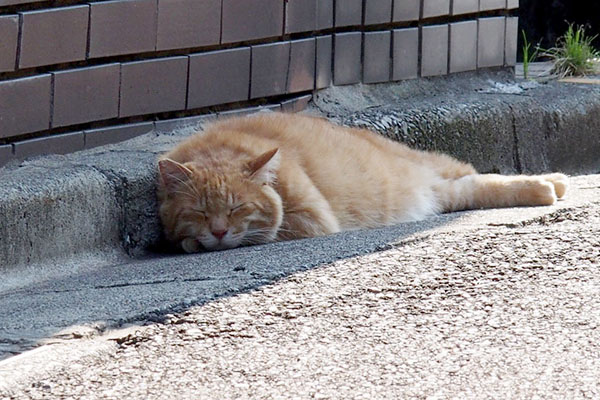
[219,234]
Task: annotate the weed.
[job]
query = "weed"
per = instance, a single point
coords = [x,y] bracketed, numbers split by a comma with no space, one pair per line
[529,54]
[573,54]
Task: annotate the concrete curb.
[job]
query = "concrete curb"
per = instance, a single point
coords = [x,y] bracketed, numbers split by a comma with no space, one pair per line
[490,120]
[104,198]
[58,206]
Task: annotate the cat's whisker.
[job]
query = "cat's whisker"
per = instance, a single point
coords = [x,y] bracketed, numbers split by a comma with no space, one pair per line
[188,194]
[258,239]
[265,234]
[187,183]
[176,177]
[259,232]
[193,188]
[248,241]
[280,229]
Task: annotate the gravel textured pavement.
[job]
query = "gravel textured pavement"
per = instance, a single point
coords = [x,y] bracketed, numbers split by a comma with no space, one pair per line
[477,310]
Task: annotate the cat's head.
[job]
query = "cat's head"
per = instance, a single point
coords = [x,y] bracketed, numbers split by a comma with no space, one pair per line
[220,204]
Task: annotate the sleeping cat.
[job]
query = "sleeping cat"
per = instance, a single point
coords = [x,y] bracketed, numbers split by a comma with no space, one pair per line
[275,176]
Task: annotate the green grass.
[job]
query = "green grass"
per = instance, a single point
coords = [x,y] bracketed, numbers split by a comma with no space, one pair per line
[529,55]
[573,54]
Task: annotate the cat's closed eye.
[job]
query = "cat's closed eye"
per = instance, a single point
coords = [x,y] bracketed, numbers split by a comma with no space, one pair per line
[237,208]
[200,213]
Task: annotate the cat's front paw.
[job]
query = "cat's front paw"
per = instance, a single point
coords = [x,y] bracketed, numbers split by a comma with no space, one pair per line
[190,245]
[560,182]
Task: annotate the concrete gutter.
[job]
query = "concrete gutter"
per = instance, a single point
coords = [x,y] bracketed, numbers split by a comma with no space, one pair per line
[61,206]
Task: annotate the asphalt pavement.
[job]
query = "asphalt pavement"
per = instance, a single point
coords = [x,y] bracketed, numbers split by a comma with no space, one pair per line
[483,304]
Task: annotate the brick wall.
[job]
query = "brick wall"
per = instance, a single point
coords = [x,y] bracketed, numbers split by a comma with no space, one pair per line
[78,74]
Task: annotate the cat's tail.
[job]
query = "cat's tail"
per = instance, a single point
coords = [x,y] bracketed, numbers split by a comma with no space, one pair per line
[495,191]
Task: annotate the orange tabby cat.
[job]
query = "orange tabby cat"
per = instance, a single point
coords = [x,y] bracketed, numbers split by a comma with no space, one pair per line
[277,176]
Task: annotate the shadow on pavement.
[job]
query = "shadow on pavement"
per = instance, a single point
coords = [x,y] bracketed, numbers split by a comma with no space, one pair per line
[148,289]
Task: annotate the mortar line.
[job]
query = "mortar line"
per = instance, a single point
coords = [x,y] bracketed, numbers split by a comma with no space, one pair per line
[19,42]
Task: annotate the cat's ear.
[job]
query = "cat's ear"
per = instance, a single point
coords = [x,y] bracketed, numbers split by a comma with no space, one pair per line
[173,173]
[264,168]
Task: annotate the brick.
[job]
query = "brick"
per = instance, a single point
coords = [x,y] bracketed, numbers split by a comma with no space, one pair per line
[510,44]
[465,7]
[406,10]
[86,94]
[301,75]
[323,67]
[14,2]
[122,27]
[434,50]
[435,8]
[251,19]
[24,105]
[485,5]
[510,4]
[188,23]
[405,54]
[378,12]
[490,50]
[324,14]
[269,69]
[348,12]
[9,31]
[53,36]
[115,134]
[6,154]
[153,86]
[219,77]
[347,58]
[377,62]
[301,16]
[296,104]
[58,144]
[463,46]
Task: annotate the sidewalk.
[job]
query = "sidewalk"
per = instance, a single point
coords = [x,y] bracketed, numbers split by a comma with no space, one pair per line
[483,304]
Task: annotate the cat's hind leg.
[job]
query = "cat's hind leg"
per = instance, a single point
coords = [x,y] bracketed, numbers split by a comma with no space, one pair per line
[494,191]
[560,182]
[446,166]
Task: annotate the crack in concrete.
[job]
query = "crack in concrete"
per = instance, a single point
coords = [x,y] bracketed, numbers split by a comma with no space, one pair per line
[154,282]
[515,136]
[117,285]
[561,215]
